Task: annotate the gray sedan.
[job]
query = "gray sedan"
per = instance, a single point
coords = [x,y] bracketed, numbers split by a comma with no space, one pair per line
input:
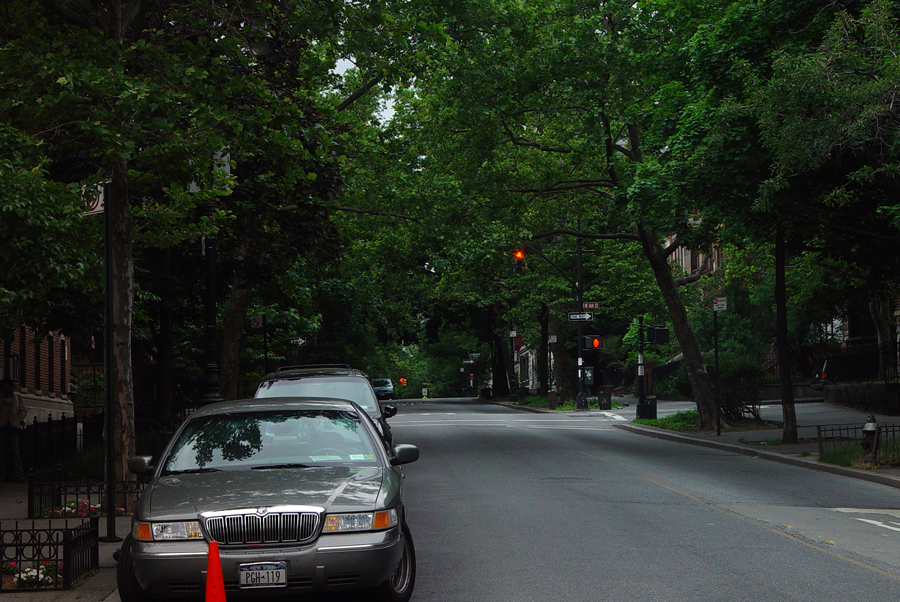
[299,494]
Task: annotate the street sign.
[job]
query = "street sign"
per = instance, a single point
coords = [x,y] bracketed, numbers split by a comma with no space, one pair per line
[583,316]
[590,305]
[256,321]
[720,303]
[94,198]
[297,341]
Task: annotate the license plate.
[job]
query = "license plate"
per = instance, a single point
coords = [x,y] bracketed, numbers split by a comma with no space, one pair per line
[263,574]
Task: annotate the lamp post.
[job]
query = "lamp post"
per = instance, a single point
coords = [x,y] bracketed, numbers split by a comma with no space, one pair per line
[209,384]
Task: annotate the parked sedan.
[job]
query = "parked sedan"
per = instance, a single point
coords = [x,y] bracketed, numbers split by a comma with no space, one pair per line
[300,495]
[329,380]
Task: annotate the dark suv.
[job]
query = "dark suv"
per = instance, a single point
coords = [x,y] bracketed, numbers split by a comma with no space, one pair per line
[338,381]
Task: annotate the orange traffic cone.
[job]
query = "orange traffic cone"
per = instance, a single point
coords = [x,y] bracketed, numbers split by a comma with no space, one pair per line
[215,583]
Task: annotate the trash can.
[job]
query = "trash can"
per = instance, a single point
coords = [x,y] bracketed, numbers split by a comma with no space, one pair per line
[647,410]
[604,397]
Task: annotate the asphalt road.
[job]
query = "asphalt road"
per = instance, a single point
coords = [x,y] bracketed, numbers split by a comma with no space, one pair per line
[513,506]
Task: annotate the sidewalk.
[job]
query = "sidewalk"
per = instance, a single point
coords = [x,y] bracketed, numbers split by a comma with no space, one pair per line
[99,588]
[764,443]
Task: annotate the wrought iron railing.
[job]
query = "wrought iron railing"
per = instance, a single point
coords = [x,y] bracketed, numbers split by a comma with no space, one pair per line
[48,555]
[846,441]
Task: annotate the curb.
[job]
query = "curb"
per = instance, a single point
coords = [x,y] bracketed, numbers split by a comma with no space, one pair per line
[765,455]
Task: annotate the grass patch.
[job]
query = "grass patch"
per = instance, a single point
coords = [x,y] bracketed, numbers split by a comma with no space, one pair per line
[686,421]
[851,456]
[542,403]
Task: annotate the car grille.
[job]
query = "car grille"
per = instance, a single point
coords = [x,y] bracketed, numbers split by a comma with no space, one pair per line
[263,525]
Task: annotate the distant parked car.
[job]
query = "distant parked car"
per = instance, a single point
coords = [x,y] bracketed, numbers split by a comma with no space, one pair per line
[300,496]
[858,364]
[384,388]
[338,381]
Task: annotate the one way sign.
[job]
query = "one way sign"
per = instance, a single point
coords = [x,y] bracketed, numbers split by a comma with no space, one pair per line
[582,316]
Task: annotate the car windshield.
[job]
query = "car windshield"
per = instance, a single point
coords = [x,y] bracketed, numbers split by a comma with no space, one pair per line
[353,389]
[271,440]
[381,382]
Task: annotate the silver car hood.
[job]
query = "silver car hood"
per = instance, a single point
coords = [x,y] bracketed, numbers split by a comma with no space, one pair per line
[334,488]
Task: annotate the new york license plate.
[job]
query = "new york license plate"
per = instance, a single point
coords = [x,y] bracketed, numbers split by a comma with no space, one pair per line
[263,574]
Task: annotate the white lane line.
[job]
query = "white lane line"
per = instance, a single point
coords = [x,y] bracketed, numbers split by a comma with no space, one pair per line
[877,523]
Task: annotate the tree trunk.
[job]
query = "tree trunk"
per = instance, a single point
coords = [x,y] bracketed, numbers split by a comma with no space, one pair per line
[121,246]
[498,369]
[564,371]
[789,433]
[701,383]
[543,352]
[880,310]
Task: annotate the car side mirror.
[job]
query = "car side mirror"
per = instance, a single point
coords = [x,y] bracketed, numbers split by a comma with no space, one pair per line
[140,464]
[404,454]
[389,411]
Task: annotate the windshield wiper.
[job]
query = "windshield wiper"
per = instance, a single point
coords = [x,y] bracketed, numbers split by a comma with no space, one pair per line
[286,465]
[192,471]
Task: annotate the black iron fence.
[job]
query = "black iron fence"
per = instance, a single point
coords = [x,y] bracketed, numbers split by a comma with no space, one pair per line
[845,442]
[55,496]
[42,555]
[46,443]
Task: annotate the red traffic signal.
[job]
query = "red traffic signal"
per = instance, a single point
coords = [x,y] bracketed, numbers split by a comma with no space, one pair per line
[402,382]
[519,255]
[594,341]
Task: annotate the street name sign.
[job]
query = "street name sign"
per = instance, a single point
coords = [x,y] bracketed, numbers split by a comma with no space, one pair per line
[590,305]
[582,316]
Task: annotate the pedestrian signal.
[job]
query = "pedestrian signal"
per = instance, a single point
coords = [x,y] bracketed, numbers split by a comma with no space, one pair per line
[594,341]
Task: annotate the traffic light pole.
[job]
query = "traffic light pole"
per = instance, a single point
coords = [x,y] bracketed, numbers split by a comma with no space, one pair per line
[640,361]
[581,399]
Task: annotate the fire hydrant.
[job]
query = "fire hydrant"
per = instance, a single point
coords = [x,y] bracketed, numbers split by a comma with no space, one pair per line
[870,438]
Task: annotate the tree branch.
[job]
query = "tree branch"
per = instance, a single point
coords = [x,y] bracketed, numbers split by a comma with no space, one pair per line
[617,236]
[354,210]
[701,271]
[529,144]
[360,92]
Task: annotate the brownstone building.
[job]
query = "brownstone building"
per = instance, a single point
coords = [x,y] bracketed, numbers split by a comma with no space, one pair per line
[39,365]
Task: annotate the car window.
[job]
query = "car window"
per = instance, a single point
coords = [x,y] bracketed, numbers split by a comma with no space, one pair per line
[247,441]
[381,382]
[353,389]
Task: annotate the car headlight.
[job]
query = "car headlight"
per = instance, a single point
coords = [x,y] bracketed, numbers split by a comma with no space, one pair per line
[167,531]
[360,521]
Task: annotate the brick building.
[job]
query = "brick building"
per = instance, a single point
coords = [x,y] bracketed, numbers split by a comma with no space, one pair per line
[39,365]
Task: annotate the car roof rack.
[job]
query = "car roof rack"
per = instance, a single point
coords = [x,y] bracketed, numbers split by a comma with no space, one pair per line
[312,366]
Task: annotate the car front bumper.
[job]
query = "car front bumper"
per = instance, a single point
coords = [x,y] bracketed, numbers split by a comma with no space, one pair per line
[331,563]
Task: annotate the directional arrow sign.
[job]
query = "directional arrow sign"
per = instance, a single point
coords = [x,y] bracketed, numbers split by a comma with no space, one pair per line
[584,316]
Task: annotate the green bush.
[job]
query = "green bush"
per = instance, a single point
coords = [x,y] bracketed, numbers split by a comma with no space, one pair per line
[686,421]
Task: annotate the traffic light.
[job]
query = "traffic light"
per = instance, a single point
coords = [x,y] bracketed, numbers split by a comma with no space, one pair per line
[402,382]
[594,341]
[518,261]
